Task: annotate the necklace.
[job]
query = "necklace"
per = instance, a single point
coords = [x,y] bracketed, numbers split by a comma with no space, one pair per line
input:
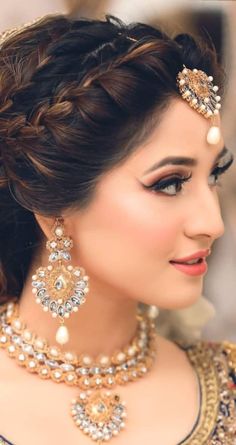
[97,411]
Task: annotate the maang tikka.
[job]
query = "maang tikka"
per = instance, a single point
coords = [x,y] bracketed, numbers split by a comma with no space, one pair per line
[197,88]
[59,287]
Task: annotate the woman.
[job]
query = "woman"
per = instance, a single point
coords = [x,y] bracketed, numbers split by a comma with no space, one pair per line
[108,199]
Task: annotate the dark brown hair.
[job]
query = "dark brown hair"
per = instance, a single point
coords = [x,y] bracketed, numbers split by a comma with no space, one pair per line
[76,98]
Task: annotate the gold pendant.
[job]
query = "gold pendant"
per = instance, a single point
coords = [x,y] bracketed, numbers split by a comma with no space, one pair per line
[99,414]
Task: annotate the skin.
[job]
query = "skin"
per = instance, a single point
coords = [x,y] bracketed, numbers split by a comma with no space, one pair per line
[125,240]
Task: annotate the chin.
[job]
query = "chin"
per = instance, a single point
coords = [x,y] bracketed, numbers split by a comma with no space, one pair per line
[181,298]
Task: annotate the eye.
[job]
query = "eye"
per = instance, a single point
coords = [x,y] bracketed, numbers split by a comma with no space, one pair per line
[219,170]
[170,186]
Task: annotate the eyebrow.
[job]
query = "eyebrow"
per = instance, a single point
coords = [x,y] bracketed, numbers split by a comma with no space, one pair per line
[182,160]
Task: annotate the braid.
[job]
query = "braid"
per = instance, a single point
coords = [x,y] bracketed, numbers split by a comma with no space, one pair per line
[76,98]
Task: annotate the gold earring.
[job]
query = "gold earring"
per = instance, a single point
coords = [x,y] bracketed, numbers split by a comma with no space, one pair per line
[59,288]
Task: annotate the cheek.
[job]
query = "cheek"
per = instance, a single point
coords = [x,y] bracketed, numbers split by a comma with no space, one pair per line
[130,228]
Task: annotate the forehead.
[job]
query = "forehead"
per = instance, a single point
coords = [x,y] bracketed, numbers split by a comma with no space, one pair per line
[181,131]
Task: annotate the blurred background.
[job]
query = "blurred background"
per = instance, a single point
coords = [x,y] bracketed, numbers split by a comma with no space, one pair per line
[211,19]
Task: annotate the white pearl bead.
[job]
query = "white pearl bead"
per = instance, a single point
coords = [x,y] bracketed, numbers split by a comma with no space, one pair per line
[213,135]
[153,311]
[215,88]
[210,78]
[182,82]
[59,231]
[62,335]
[218,98]
[185,71]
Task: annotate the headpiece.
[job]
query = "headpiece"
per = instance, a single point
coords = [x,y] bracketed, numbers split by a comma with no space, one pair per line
[197,88]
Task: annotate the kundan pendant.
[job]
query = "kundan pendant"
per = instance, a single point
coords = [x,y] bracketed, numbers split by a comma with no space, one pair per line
[99,414]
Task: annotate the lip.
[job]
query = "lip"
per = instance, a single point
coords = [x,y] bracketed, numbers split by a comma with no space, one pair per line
[192,269]
[199,254]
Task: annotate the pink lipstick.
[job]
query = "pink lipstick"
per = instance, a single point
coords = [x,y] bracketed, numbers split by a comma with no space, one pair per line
[194,264]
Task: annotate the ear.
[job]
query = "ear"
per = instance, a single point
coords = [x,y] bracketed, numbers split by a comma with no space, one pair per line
[46,224]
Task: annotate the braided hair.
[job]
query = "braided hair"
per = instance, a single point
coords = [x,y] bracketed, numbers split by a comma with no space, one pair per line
[77,97]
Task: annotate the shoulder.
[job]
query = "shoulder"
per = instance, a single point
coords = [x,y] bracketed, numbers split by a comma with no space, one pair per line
[215,363]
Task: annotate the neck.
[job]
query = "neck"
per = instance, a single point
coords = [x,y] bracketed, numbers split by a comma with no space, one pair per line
[105,323]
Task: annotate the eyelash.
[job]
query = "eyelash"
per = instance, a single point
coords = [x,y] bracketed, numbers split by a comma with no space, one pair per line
[178,181]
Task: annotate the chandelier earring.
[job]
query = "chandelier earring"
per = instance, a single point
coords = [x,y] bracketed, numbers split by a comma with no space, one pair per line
[59,287]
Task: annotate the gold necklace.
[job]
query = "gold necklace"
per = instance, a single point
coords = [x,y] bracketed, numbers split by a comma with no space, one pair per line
[97,411]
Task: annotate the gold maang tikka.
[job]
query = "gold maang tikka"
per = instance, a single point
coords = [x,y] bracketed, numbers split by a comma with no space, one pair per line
[60,288]
[197,88]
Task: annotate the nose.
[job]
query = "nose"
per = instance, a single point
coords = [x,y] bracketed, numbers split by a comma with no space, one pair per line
[204,216]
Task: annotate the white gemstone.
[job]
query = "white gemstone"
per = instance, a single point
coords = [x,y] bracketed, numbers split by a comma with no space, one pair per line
[17,324]
[87,360]
[69,356]
[67,367]
[28,349]
[77,273]
[57,374]
[213,135]
[54,352]
[39,343]
[32,364]
[104,360]
[62,335]
[8,330]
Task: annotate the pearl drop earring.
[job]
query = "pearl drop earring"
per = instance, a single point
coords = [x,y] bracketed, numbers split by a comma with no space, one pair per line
[60,288]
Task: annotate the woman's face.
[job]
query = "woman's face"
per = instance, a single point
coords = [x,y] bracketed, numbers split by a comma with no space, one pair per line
[140,221]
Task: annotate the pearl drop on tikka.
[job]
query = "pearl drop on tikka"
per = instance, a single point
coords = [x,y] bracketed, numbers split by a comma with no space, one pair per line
[213,135]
